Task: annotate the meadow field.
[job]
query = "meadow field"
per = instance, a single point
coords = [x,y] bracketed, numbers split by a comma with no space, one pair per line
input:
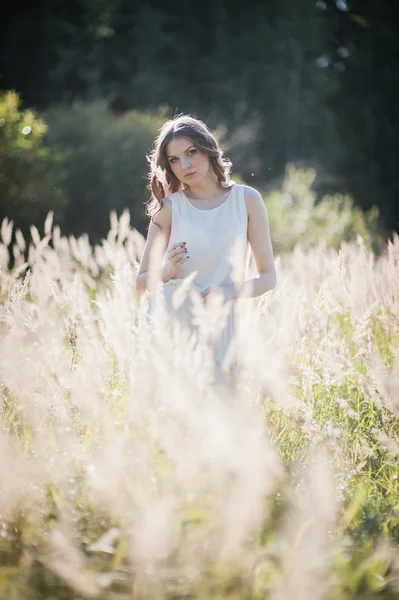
[126,474]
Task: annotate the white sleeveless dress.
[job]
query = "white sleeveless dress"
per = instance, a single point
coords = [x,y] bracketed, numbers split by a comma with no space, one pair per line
[217,244]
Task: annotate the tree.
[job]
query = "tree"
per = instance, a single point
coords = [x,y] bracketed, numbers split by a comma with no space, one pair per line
[28,182]
[368,117]
[292,82]
[104,163]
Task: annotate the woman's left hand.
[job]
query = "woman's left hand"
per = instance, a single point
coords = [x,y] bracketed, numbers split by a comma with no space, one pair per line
[226,291]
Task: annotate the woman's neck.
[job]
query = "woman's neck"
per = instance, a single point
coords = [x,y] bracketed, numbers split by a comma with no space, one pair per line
[206,190]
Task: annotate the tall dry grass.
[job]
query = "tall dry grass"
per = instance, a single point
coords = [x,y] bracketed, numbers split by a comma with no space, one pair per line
[126,473]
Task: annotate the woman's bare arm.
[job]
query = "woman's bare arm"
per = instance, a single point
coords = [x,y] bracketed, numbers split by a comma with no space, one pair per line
[157,241]
[261,246]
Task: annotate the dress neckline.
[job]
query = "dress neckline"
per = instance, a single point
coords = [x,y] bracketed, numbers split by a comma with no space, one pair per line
[209,209]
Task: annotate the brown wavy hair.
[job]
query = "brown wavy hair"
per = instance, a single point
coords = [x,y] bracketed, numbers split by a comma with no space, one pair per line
[162,180]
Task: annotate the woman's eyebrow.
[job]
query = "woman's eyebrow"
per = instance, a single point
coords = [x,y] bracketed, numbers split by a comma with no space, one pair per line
[186,150]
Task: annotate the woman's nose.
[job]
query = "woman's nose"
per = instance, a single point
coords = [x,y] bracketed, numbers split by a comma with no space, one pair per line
[185,163]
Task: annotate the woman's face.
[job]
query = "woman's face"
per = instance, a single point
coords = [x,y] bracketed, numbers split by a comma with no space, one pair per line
[188,163]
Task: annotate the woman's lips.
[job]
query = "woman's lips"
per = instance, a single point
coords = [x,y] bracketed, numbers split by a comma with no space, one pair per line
[190,174]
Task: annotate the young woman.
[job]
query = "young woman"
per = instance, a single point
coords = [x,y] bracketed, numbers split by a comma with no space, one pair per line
[198,218]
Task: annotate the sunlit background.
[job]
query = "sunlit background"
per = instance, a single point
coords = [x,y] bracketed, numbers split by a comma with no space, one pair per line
[309,83]
[125,473]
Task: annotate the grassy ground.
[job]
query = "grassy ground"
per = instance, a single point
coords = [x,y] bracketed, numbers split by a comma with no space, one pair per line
[125,474]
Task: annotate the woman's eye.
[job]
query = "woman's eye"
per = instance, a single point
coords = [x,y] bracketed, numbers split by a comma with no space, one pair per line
[190,152]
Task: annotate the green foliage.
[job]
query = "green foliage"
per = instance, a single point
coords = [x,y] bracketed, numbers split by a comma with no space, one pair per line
[290,80]
[84,161]
[367,101]
[27,166]
[104,163]
[297,218]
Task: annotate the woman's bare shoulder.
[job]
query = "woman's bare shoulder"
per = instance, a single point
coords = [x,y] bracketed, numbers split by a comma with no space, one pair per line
[253,199]
[251,192]
[163,217]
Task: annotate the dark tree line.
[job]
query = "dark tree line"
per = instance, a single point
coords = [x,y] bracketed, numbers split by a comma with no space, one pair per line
[290,80]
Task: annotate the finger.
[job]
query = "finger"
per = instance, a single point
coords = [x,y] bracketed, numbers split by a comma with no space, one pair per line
[178,245]
[179,255]
[181,260]
[177,250]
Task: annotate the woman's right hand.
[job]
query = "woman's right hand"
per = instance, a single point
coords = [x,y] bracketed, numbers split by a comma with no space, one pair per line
[177,256]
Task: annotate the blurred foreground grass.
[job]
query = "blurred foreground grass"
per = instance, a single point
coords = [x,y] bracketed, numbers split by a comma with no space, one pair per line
[125,473]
